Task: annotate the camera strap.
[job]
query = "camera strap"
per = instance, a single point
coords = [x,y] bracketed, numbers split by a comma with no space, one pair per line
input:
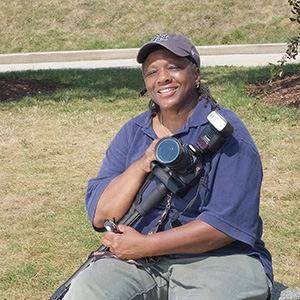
[175,218]
[163,216]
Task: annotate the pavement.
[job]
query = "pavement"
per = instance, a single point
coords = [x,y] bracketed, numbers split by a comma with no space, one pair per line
[221,55]
[282,292]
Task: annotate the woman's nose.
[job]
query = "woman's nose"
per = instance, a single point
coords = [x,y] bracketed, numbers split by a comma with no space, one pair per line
[164,76]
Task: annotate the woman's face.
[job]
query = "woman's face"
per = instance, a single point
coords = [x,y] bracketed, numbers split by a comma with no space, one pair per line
[170,80]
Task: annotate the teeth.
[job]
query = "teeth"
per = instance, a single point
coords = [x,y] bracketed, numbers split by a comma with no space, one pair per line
[165,90]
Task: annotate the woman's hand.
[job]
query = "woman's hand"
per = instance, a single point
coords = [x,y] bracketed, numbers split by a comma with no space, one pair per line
[129,244]
[148,157]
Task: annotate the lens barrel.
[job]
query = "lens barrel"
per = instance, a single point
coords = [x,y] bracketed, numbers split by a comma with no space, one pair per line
[171,153]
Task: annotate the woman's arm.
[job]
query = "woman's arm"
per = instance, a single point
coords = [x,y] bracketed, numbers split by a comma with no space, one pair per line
[194,237]
[119,194]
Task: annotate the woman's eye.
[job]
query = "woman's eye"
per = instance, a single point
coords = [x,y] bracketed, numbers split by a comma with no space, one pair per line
[151,73]
[174,67]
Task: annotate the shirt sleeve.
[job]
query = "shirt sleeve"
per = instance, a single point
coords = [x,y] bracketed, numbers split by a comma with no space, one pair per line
[113,164]
[234,185]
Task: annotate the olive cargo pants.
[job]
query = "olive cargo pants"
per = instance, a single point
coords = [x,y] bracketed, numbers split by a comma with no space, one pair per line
[233,277]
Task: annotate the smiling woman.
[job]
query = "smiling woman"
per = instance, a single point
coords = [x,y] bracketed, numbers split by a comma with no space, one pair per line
[170,82]
[208,236]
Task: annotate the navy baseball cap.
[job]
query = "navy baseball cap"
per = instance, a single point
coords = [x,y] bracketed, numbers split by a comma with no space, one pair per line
[176,43]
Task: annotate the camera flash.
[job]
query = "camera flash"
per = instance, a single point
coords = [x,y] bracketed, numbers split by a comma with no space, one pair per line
[217,120]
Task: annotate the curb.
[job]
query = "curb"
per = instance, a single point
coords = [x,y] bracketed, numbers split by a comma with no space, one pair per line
[130,53]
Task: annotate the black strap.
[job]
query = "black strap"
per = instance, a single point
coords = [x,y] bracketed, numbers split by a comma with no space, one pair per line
[175,218]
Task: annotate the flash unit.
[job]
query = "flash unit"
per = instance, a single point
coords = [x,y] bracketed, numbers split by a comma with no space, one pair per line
[215,133]
[220,123]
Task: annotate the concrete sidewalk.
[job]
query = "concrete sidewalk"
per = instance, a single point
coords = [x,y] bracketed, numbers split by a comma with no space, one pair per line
[222,55]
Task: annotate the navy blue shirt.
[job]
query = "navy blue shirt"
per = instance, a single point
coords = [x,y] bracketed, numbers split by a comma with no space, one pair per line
[229,199]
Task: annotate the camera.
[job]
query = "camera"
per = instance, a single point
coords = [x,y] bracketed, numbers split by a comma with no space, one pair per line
[184,162]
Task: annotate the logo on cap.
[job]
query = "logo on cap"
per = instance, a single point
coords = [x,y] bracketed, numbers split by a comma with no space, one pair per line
[162,37]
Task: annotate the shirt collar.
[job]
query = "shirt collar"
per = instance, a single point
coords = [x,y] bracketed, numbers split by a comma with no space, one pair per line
[144,121]
[198,118]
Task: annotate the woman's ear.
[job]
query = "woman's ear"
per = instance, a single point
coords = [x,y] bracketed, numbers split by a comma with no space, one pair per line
[197,75]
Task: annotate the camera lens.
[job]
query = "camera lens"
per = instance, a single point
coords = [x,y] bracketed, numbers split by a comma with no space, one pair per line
[171,153]
[167,150]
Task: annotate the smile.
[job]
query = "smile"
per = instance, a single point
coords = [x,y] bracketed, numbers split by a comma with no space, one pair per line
[167,91]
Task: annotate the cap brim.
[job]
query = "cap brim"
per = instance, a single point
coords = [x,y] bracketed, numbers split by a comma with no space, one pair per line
[144,51]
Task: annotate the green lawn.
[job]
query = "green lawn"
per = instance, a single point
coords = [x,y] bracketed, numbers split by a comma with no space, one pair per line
[52,144]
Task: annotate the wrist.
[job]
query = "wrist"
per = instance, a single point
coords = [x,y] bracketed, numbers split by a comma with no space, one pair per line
[151,245]
[143,166]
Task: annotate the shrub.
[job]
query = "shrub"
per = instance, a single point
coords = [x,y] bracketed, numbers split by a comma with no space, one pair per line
[293,43]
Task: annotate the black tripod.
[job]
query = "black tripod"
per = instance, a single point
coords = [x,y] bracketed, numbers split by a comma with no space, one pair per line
[167,185]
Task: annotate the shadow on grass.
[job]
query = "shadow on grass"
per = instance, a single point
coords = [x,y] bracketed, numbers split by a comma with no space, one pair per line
[109,85]
[244,76]
[66,85]
[15,88]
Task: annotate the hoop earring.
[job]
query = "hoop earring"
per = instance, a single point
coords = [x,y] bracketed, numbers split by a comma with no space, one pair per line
[197,85]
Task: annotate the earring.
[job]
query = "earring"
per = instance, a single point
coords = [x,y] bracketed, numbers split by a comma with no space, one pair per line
[197,85]
[143,92]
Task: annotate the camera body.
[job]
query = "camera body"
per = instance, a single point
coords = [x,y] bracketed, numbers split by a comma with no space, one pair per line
[184,162]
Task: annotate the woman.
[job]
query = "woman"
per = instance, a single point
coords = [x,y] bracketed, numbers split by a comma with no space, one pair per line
[217,251]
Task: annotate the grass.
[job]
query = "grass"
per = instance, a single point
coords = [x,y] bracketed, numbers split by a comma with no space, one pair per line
[83,25]
[52,144]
